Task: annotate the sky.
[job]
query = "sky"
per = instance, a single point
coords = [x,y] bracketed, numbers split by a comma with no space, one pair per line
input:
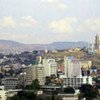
[47,21]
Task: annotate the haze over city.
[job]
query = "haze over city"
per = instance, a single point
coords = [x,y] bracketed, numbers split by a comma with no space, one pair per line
[49,49]
[46,21]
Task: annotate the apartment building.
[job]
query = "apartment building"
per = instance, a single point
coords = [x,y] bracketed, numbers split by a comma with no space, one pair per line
[50,66]
[72,67]
[76,82]
[10,82]
[34,72]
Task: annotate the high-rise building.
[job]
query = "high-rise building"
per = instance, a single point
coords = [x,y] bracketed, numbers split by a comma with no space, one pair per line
[30,74]
[90,48]
[50,66]
[34,72]
[97,42]
[40,74]
[72,67]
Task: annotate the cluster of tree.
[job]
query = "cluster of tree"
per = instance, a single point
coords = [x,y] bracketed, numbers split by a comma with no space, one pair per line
[23,95]
[35,85]
[49,78]
[27,95]
[69,90]
[88,91]
[97,82]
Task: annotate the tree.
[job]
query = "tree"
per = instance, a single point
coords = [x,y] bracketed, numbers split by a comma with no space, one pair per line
[69,90]
[88,91]
[35,85]
[48,80]
[23,95]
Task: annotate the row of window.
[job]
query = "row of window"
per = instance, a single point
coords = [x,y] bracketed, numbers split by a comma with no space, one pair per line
[11,82]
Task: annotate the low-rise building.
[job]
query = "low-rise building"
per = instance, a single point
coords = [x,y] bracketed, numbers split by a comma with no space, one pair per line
[68,96]
[10,82]
[76,82]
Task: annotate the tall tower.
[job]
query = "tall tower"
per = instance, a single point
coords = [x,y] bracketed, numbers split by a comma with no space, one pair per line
[97,42]
[50,66]
[35,72]
[72,67]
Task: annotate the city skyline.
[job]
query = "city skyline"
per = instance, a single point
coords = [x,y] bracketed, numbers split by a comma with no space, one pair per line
[46,21]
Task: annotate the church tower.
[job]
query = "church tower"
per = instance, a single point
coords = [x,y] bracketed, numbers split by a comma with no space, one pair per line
[97,42]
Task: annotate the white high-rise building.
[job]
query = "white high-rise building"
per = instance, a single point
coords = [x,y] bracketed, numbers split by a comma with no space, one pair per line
[72,67]
[90,48]
[50,66]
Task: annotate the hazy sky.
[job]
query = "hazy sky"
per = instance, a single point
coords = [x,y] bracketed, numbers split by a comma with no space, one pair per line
[46,21]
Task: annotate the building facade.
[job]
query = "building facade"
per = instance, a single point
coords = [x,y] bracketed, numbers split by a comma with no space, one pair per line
[72,67]
[40,74]
[76,82]
[86,67]
[34,72]
[97,42]
[90,48]
[10,82]
[50,67]
[30,74]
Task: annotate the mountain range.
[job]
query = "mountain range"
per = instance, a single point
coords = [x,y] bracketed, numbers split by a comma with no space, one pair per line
[8,46]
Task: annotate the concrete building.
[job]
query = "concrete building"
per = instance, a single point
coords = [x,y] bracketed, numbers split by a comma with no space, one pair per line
[68,96]
[76,82]
[40,74]
[10,82]
[73,72]
[39,59]
[90,48]
[22,79]
[30,74]
[34,72]
[50,66]
[72,67]
[86,67]
[97,42]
